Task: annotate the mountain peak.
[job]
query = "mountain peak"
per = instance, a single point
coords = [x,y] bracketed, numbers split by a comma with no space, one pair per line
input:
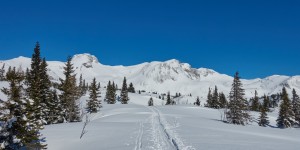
[172,61]
[85,59]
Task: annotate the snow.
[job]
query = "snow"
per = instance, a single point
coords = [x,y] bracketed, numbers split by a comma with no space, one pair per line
[163,77]
[185,127]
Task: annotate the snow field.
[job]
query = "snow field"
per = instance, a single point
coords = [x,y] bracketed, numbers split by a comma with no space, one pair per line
[181,127]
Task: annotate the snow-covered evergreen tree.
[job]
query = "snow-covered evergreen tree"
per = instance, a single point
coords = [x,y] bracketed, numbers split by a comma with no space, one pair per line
[20,130]
[57,115]
[34,85]
[150,102]
[46,100]
[222,100]
[2,73]
[197,101]
[131,88]
[94,103]
[296,107]
[266,103]
[124,93]
[169,101]
[209,101]
[237,113]
[255,102]
[263,118]
[286,116]
[215,99]
[110,93]
[69,95]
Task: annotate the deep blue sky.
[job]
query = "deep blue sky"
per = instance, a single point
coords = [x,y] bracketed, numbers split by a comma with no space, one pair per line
[257,38]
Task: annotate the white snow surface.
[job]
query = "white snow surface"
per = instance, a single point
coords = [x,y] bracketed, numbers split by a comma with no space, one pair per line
[162,77]
[181,127]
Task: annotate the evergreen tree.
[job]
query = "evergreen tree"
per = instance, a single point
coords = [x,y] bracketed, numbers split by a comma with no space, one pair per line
[296,107]
[99,86]
[266,103]
[114,88]
[27,80]
[84,86]
[263,118]
[131,88]
[69,93]
[94,102]
[46,102]
[209,101]
[57,114]
[150,102]
[34,84]
[197,101]
[169,101]
[18,131]
[237,113]
[124,92]
[110,94]
[222,100]
[2,73]
[255,102]
[286,115]
[215,99]
[81,86]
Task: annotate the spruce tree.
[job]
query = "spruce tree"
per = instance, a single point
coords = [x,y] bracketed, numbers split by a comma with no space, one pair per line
[94,103]
[69,94]
[81,86]
[99,86]
[20,130]
[124,92]
[296,107]
[263,118]
[286,116]
[13,130]
[215,99]
[131,88]
[255,102]
[237,113]
[34,84]
[209,101]
[46,102]
[150,102]
[57,115]
[266,103]
[169,101]
[110,94]
[197,101]
[2,73]
[222,100]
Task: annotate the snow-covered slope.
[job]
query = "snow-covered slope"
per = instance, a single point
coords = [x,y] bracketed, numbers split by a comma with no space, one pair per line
[179,127]
[162,77]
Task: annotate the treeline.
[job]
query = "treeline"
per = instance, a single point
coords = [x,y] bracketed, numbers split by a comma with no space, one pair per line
[236,110]
[34,101]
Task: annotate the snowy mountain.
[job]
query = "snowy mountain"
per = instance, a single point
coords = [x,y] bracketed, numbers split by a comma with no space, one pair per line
[161,77]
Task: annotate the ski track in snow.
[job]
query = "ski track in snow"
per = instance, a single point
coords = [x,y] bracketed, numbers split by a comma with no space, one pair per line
[162,136]
[140,137]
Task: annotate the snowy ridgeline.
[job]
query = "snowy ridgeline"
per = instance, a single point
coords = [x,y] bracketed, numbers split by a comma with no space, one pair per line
[186,127]
[169,76]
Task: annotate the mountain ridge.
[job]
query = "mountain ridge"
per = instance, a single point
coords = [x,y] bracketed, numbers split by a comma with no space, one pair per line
[158,76]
